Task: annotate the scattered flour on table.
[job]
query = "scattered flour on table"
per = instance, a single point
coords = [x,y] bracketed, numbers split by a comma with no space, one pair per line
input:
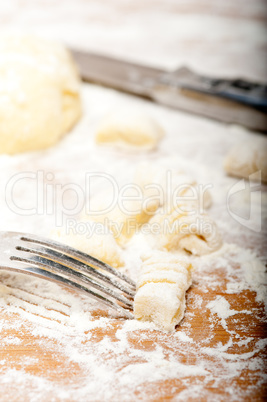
[221,307]
[134,356]
[129,357]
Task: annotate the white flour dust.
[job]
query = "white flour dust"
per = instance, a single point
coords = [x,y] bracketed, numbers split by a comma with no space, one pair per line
[111,359]
[53,345]
[127,355]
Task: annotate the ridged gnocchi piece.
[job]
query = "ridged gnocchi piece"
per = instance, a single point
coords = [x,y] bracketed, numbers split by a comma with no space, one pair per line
[179,230]
[161,288]
[126,128]
[170,187]
[100,245]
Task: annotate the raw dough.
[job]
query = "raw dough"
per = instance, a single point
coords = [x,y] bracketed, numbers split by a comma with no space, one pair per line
[248,158]
[161,288]
[179,230]
[100,244]
[39,93]
[179,223]
[123,223]
[129,129]
[165,186]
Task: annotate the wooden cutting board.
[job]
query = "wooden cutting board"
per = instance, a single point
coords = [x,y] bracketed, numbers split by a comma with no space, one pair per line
[44,358]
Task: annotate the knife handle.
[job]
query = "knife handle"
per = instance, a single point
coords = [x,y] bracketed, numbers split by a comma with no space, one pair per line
[231,101]
[238,90]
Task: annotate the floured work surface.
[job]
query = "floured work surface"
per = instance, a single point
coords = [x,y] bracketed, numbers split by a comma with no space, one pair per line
[54,344]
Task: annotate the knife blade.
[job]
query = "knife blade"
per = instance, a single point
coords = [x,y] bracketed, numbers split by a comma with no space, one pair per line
[235,101]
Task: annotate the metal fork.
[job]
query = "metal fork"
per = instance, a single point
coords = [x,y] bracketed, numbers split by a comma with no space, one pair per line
[56,262]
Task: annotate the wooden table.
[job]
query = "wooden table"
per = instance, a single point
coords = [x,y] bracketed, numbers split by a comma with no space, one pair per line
[45,358]
[214,37]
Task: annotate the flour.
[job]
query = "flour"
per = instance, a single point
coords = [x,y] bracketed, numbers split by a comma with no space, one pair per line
[221,307]
[112,359]
[130,356]
[11,340]
[255,277]
[116,366]
[183,337]
[250,273]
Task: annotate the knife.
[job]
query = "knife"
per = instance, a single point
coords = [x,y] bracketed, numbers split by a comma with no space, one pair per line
[234,101]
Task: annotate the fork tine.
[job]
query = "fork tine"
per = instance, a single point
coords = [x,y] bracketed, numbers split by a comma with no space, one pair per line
[43,274]
[59,263]
[83,257]
[67,261]
[75,276]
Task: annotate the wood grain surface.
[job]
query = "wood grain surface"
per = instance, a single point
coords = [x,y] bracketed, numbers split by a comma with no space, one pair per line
[219,37]
[49,362]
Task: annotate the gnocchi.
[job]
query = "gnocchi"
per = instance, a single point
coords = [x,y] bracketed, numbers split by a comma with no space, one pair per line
[248,158]
[168,187]
[125,222]
[126,128]
[179,230]
[100,245]
[161,289]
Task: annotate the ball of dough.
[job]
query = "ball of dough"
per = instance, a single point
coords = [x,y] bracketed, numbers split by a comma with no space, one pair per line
[248,158]
[39,93]
[129,129]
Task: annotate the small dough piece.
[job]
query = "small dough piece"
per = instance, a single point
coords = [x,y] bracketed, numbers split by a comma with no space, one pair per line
[169,186]
[39,93]
[123,222]
[129,129]
[179,230]
[248,158]
[100,244]
[124,225]
[161,289]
